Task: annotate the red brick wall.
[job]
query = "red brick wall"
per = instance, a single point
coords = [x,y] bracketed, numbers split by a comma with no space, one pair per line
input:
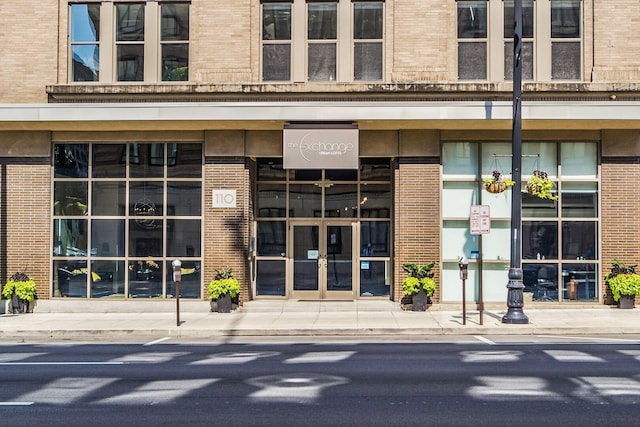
[226,230]
[620,219]
[417,218]
[25,209]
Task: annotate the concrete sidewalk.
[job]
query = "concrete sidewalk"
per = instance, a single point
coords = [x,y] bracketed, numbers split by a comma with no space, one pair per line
[57,319]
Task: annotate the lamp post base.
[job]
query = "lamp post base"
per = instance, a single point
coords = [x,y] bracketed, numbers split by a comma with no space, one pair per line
[515,299]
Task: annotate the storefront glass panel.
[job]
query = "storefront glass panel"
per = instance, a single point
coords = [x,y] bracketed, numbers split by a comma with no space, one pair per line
[555,233]
[375,278]
[270,277]
[374,238]
[375,200]
[109,161]
[71,160]
[272,238]
[305,201]
[541,279]
[539,240]
[580,281]
[137,219]
[190,280]
[109,198]
[107,237]
[184,198]
[271,200]
[70,198]
[341,201]
[107,278]
[70,278]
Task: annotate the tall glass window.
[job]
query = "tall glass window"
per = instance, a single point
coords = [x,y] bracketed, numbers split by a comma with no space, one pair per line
[367,35]
[174,41]
[527,39]
[472,40]
[322,41]
[85,42]
[130,42]
[121,213]
[566,33]
[559,238]
[276,41]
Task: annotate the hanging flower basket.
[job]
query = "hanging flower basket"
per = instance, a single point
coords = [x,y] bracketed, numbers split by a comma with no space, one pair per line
[497,183]
[541,186]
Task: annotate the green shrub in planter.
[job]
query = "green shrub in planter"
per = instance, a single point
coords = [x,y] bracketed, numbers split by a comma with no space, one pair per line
[20,290]
[623,280]
[224,284]
[420,276]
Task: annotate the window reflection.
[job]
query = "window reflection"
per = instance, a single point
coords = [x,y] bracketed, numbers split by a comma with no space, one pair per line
[271,239]
[541,280]
[374,238]
[70,278]
[71,160]
[539,240]
[107,279]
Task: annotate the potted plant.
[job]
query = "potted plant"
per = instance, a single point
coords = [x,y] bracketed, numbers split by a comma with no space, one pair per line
[221,289]
[20,290]
[419,285]
[497,183]
[541,186]
[624,283]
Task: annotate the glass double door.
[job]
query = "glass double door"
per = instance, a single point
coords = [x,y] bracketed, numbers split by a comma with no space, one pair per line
[322,259]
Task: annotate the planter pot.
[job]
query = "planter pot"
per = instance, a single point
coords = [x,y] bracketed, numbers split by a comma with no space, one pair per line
[224,304]
[496,187]
[627,301]
[18,306]
[420,301]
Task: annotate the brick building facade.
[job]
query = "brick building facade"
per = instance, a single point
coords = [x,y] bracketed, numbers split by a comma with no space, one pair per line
[122,121]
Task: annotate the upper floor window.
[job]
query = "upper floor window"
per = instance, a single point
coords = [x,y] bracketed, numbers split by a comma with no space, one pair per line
[472,40]
[565,39]
[145,41]
[551,39]
[322,41]
[85,42]
[130,41]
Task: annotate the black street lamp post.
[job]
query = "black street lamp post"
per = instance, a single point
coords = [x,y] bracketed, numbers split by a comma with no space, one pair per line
[515,286]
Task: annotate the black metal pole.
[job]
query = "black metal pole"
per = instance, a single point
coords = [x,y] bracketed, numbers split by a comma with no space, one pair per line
[515,286]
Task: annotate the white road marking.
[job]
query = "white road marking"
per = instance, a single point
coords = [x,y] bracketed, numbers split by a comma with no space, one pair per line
[58,363]
[512,389]
[16,403]
[491,356]
[321,357]
[484,340]
[234,358]
[293,388]
[159,357]
[158,341]
[572,356]
[156,392]
[566,337]
[66,390]
[9,357]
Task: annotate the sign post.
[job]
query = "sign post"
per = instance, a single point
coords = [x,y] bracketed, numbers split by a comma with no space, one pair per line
[480,224]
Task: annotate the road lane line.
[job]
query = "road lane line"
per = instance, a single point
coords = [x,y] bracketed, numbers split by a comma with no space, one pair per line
[16,403]
[566,337]
[57,363]
[484,340]
[158,341]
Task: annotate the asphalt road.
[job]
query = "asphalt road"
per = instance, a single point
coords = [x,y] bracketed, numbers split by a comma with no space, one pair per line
[454,381]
